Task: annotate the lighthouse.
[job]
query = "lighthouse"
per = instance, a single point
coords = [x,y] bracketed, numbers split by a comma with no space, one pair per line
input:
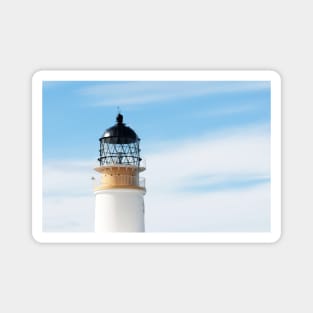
[119,203]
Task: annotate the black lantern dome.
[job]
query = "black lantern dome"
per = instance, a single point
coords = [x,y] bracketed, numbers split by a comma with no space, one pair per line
[119,145]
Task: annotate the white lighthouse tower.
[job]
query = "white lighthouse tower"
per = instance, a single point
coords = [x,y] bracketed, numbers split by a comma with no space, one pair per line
[119,196]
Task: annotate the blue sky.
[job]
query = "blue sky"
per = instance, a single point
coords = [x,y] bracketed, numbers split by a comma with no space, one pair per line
[205,142]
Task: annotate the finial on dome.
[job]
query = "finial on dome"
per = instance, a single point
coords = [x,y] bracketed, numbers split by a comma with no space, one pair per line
[119,118]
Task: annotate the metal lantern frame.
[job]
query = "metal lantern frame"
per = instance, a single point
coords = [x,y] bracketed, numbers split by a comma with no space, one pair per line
[115,151]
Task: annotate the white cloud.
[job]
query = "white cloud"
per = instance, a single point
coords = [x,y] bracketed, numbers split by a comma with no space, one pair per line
[136,93]
[226,109]
[68,213]
[242,153]
[68,195]
[68,177]
[230,210]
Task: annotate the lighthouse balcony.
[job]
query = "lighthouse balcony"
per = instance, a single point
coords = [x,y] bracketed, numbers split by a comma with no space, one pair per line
[142,182]
[121,168]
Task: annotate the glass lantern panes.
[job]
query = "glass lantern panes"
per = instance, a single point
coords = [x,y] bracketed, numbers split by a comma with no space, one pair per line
[119,153]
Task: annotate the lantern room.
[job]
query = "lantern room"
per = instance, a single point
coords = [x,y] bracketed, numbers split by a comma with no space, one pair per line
[119,145]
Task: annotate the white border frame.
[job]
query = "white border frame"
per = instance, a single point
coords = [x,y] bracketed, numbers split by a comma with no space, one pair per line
[208,237]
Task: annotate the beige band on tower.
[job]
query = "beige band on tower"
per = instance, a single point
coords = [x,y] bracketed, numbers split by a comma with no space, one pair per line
[120,176]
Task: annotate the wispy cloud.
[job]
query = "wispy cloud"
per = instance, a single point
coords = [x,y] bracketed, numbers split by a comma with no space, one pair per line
[68,213]
[136,93]
[68,177]
[214,183]
[68,195]
[228,109]
[245,151]
[241,210]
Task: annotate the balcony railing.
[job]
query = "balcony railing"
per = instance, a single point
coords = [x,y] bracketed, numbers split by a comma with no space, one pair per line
[142,182]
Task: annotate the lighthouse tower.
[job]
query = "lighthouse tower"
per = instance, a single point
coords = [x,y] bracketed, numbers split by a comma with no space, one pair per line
[119,196]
